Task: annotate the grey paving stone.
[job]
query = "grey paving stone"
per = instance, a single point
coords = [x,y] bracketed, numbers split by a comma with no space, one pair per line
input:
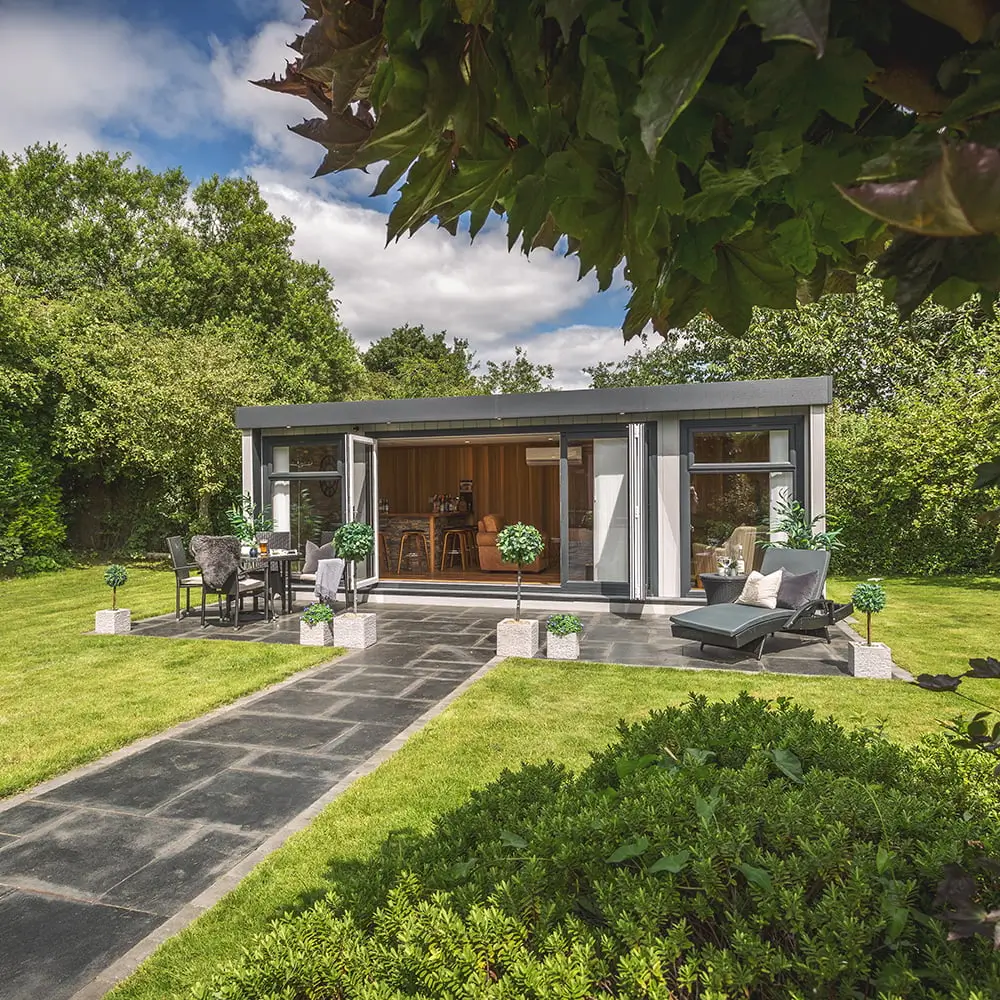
[434,689]
[339,669]
[89,852]
[295,700]
[26,816]
[166,884]
[331,769]
[144,780]
[451,654]
[387,654]
[258,729]
[250,800]
[388,711]
[373,682]
[362,742]
[51,947]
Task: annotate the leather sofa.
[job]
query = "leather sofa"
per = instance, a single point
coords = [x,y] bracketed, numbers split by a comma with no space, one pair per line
[489,558]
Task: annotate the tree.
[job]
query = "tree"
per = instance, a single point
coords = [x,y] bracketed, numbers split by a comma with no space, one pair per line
[732,153]
[869,348]
[408,363]
[517,375]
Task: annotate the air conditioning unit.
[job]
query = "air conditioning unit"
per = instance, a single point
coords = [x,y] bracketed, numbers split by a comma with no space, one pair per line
[550,456]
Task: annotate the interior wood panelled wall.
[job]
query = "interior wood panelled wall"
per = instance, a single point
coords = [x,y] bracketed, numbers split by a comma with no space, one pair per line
[502,481]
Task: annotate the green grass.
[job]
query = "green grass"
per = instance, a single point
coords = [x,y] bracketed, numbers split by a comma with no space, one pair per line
[934,624]
[522,711]
[67,698]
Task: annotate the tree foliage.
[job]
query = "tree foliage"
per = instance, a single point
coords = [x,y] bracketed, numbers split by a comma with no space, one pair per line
[731,153]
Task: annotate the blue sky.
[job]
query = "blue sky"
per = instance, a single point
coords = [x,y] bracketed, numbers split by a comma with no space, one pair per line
[167,81]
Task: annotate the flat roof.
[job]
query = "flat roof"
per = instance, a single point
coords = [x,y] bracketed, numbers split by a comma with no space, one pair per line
[541,405]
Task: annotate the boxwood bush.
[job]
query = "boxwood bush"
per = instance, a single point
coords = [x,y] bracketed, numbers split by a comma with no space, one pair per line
[717,851]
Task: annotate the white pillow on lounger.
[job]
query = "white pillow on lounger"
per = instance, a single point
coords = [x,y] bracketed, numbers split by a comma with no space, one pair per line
[761,591]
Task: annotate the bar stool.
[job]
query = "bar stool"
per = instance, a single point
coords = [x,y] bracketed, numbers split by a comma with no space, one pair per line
[384,546]
[459,537]
[470,534]
[416,536]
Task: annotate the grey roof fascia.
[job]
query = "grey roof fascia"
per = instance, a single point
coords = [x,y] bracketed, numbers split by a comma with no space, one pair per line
[541,405]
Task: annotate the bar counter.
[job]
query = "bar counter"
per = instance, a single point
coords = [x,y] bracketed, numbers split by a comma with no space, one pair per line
[392,526]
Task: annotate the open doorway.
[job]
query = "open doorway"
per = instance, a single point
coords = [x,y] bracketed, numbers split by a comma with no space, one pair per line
[442,500]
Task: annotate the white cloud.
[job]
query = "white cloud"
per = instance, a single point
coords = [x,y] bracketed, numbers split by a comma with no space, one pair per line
[84,80]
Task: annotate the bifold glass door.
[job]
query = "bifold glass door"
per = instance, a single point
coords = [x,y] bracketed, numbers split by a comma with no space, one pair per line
[605,518]
[362,496]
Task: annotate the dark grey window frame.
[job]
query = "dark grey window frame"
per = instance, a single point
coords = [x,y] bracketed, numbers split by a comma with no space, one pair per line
[268,476]
[796,427]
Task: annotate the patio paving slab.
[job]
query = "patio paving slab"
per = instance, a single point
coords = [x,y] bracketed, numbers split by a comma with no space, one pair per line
[92,863]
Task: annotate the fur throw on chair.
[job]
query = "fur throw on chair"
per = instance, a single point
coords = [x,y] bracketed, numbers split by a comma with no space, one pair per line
[218,558]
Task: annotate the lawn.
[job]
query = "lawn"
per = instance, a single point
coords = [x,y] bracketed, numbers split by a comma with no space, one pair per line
[67,698]
[522,711]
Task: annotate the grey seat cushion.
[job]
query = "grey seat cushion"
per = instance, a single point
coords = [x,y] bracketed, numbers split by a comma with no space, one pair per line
[190,581]
[730,619]
[249,584]
[303,578]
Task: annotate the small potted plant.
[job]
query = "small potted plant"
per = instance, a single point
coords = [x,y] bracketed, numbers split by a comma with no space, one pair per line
[316,625]
[115,620]
[520,544]
[354,542]
[245,523]
[562,637]
[869,659]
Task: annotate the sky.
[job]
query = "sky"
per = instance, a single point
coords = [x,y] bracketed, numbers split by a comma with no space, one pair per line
[167,80]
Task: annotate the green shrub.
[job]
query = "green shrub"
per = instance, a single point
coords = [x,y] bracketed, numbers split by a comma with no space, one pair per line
[354,542]
[520,544]
[317,613]
[115,576]
[564,624]
[869,598]
[719,851]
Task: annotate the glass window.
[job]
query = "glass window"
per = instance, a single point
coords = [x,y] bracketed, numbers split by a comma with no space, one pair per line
[598,510]
[326,456]
[722,447]
[311,508]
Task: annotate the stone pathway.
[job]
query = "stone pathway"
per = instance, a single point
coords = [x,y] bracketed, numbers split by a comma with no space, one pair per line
[94,862]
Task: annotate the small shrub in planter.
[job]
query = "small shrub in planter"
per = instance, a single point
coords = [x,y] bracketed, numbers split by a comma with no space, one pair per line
[115,620]
[562,639]
[518,544]
[724,850]
[354,542]
[869,659]
[316,626]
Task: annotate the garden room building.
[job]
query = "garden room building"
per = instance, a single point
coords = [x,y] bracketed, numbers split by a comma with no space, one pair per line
[636,491]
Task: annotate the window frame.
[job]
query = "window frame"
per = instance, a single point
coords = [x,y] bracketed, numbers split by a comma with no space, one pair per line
[797,463]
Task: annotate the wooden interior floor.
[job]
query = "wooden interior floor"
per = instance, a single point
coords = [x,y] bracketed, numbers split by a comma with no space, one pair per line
[549,576]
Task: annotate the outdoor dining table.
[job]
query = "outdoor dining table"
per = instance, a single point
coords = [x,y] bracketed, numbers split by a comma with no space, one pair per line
[278,561]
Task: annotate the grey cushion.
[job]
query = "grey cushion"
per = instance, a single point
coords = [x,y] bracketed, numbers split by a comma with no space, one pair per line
[730,619]
[304,577]
[190,581]
[797,590]
[250,584]
[316,552]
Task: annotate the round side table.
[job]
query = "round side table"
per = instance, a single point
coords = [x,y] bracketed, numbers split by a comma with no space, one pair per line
[721,589]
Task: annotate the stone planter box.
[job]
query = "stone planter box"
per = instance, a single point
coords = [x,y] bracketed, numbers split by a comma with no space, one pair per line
[874,661]
[562,647]
[517,638]
[354,631]
[320,634]
[116,622]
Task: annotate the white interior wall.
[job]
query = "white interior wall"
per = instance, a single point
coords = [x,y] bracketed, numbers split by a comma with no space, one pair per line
[281,512]
[247,452]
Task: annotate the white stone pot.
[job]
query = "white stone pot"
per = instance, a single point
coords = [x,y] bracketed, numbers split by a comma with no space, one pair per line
[354,631]
[115,622]
[874,661]
[562,647]
[517,638]
[320,634]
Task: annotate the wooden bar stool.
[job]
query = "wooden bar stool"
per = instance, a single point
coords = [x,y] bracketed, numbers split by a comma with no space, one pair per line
[416,536]
[384,546]
[459,538]
[470,534]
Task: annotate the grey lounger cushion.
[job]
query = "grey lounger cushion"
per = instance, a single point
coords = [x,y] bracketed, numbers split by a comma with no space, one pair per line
[731,620]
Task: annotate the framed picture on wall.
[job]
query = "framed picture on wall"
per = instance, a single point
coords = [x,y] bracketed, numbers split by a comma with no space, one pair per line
[465,486]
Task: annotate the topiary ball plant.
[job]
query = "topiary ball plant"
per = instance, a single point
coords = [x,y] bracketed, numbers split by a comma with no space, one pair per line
[869,598]
[115,576]
[722,850]
[520,544]
[354,542]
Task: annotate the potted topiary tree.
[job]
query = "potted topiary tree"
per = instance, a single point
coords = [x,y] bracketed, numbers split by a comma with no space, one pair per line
[114,620]
[869,659]
[354,542]
[562,637]
[520,544]
[316,625]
